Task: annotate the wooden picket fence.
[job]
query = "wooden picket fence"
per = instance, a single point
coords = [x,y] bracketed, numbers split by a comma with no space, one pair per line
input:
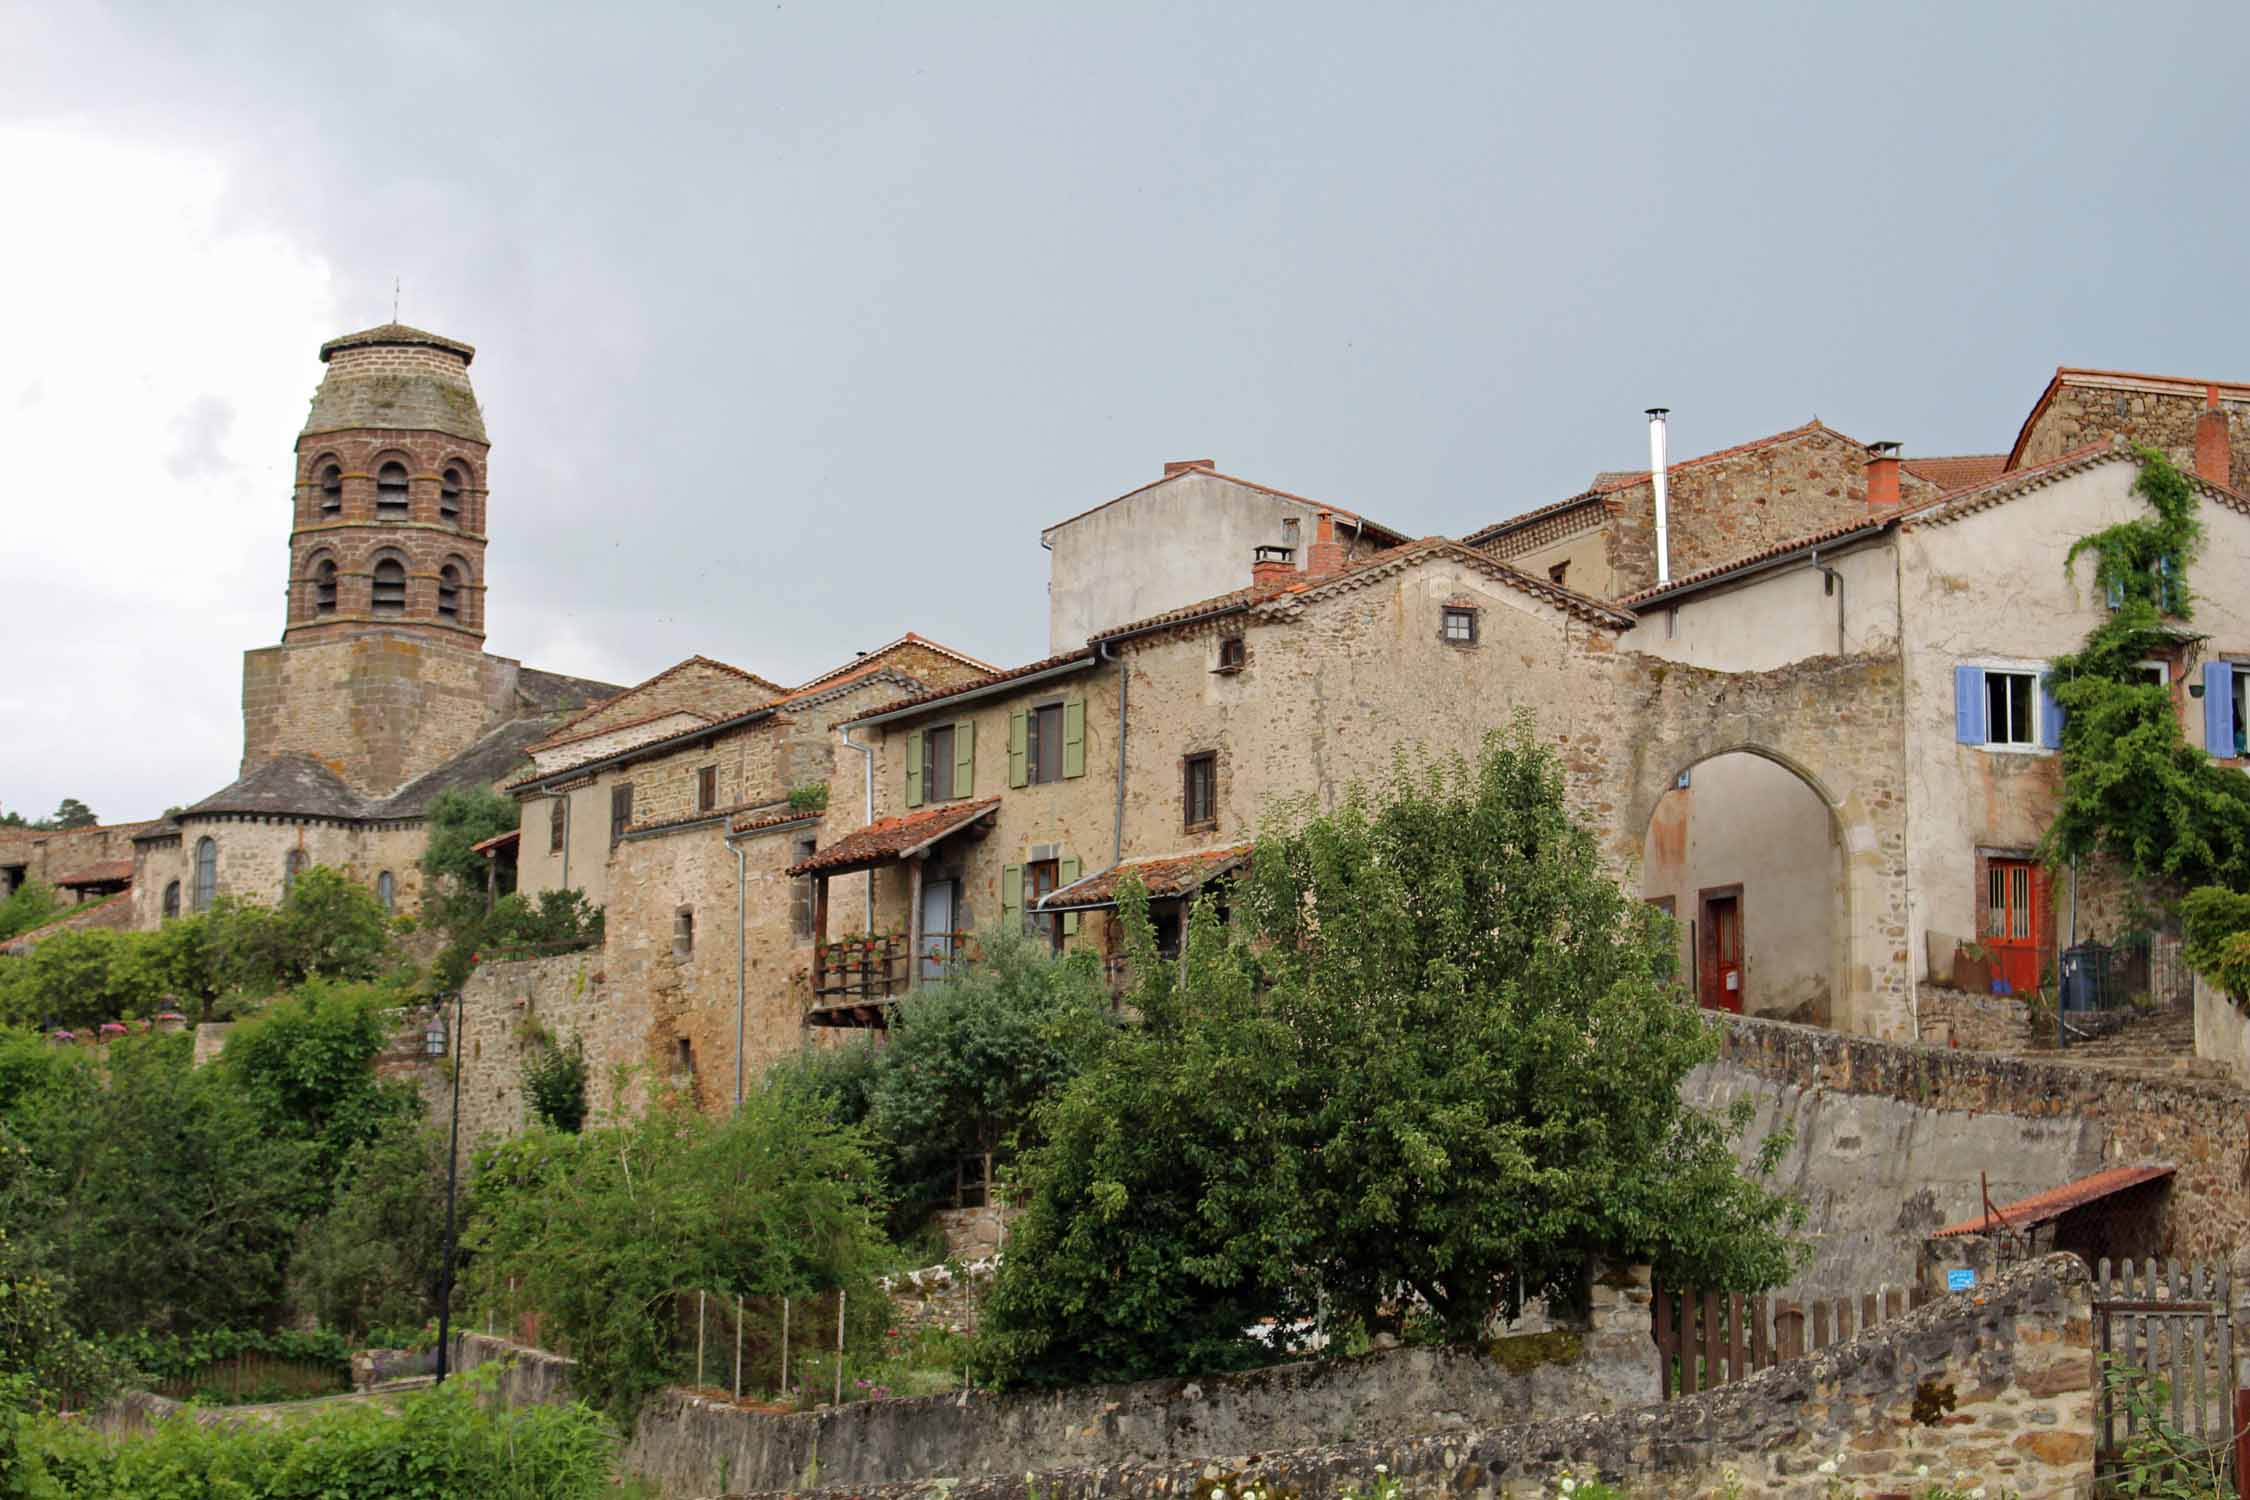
[254,1376]
[2169,1330]
[1706,1339]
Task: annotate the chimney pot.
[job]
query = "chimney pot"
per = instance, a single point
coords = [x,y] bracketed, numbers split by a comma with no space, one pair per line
[2213,460]
[1272,565]
[1184,465]
[1882,476]
[1327,555]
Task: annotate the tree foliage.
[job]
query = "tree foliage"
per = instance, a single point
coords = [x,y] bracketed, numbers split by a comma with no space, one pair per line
[32,904]
[305,1068]
[373,1259]
[458,821]
[1436,1058]
[72,813]
[599,1230]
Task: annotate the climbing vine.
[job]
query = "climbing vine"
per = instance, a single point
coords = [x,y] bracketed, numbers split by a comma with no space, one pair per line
[2134,789]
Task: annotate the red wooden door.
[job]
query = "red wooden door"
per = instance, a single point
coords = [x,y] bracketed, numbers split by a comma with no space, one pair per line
[2011,922]
[1722,952]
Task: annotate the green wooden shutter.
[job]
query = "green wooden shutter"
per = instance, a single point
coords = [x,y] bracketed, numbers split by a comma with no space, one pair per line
[965,758]
[1066,871]
[1011,897]
[1019,748]
[914,769]
[1074,737]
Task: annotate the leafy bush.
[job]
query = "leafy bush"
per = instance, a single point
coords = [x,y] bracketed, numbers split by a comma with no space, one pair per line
[374,1258]
[2216,923]
[558,919]
[39,1351]
[441,1442]
[554,1082]
[1439,1052]
[458,821]
[597,1231]
[305,1068]
[32,904]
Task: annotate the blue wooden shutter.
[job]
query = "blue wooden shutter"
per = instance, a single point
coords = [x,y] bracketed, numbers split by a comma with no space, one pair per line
[1968,705]
[2050,716]
[914,769]
[2218,707]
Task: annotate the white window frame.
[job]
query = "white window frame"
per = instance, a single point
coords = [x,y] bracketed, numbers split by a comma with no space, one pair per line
[2037,745]
[2164,667]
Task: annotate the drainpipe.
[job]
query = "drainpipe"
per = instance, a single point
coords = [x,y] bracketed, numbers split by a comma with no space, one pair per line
[566,841]
[867,754]
[1659,474]
[741,951]
[1117,843]
[1833,585]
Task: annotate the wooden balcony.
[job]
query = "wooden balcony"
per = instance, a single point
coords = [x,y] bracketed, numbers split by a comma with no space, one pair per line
[856,979]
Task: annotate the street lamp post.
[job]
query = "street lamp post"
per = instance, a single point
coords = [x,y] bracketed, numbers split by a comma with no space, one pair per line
[434,1045]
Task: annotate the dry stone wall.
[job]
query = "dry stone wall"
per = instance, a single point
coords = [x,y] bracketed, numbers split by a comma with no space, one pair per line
[1994,1387]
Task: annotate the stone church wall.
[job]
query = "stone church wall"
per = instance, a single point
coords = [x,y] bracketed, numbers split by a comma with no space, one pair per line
[379,709]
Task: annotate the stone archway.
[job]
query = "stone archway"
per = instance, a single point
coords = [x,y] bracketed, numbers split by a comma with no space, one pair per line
[1836,725]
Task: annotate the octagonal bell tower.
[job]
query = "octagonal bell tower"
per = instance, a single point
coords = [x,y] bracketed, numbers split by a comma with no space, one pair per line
[388,528]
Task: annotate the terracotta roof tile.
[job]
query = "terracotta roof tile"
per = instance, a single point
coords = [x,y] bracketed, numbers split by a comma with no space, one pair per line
[872,659]
[102,872]
[774,688]
[564,737]
[498,841]
[1957,471]
[1762,555]
[939,695]
[1591,497]
[887,839]
[110,911]
[392,334]
[2079,375]
[2041,1208]
[780,819]
[1164,875]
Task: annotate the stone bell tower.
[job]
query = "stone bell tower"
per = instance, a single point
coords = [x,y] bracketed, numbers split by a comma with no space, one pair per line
[381,673]
[387,530]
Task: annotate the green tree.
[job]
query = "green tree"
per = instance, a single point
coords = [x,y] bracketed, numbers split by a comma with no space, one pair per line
[374,1258]
[72,813]
[41,1355]
[304,1069]
[967,1060]
[79,979]
[599,1230]
[458,821]
[1439,1052]
[32,904]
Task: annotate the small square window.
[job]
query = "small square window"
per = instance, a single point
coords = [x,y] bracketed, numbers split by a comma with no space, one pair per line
[2011,709]
[1233,652]
[620,812]
[1459,627]
[2155,673]
[1559,574]
[707,789]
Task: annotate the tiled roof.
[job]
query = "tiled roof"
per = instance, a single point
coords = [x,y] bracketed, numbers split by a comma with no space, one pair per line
[1163,875]
[775,689]
[1590,497]
[780,819]
[111,911]
[939,695]
[286,784]
[1957,471]
[2041,1208]
[1286,596]
[1340,512]
[1783,548]
[498,841]
[1976,497]
[563,736]
[483,764]
[101,872]
[887,839]
[557,692]
[2115,379]
[868,659]
[395,334]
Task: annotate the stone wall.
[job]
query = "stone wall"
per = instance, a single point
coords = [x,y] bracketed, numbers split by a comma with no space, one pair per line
[1995,1387]
[505,1007]
[699,685]
[48,855]
[2222,1030]
[2075,414]
[2201,1128]
[1977,1023]
[689,1445]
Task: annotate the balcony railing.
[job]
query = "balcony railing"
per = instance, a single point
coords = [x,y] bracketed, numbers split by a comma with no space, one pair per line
[879,966]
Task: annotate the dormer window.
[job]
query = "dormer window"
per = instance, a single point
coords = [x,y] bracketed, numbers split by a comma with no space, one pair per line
[331,490]
[390,491]
[390,587]
[450,487]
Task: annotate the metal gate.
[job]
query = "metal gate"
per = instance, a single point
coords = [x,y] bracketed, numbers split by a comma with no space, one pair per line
[2167,1392]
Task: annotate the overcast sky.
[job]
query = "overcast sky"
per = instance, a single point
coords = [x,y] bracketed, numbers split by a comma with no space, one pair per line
[795,323]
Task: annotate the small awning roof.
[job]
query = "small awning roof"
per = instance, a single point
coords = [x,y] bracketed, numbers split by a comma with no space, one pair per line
[498,842]
[887,839]
[1166,876]
[2043,1208]
[871,1015]
[104,872]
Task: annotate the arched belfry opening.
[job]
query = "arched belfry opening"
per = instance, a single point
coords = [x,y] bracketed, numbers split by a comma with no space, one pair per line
[1748,855]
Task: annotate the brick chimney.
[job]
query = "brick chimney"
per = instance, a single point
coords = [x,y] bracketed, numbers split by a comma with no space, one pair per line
[1273,566]
[1327,554]
[1882,476]
[2212,459]
[1187,465]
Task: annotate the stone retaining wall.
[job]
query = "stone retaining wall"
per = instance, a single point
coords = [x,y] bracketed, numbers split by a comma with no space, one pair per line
[1996,1386]
[689,1445]
[1977,1023]
[2202,1128]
